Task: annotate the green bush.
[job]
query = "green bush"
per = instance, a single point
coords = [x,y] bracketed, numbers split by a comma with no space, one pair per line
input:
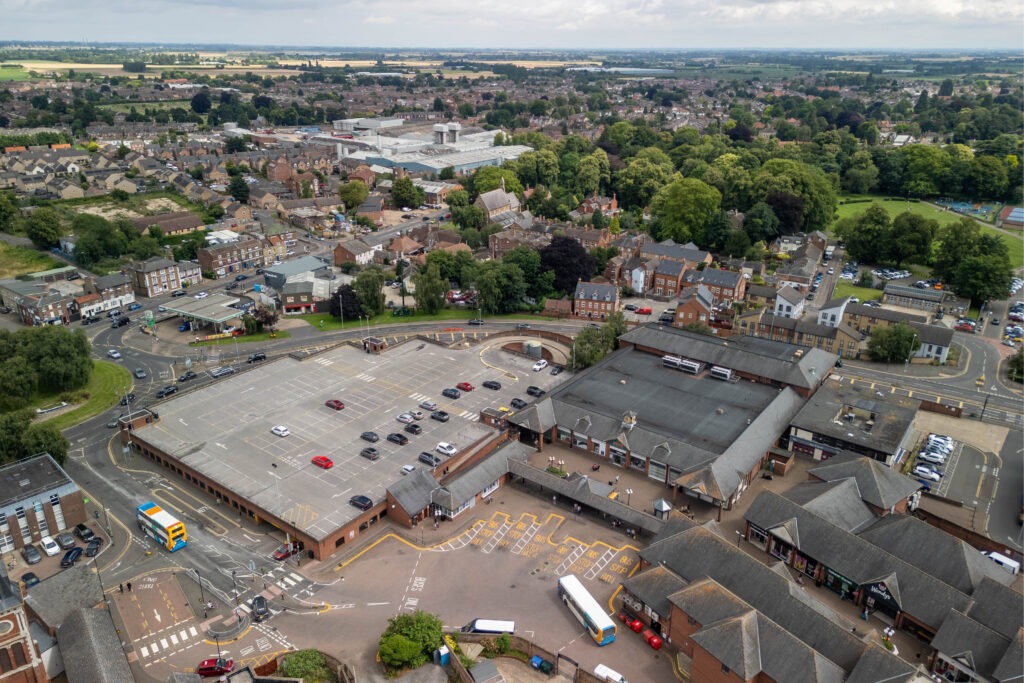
[309,665]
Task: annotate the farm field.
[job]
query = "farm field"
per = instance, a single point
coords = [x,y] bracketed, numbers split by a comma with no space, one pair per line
[14,74]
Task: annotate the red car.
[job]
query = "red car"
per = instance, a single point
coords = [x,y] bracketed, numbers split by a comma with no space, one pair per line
[643,311]
[323,461]
[334,403]
[215,667]
[964,327]
[464,386]
[287,550]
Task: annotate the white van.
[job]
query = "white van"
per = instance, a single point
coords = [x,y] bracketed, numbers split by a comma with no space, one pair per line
[605,673]
[1010,565]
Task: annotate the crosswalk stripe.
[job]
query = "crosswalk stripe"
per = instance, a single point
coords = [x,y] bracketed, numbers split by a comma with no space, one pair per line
[144,651]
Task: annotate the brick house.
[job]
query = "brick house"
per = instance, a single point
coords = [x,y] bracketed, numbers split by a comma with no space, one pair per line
[595,301]
[363,174]
[695,304]
[176,223]
[668,278]
[354,251]
[153,276]
[46,308]
[590,238]
[297,297]
[372,208]
[115,290]
[499,243]
[725,285]
[609,205]
[867,318]
[235,257]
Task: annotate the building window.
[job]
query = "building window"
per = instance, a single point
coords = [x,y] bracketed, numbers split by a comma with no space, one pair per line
[725,669]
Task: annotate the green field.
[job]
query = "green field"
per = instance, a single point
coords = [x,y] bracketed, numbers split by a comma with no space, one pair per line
[459,316]
[15,74]
[16,261]
[1014,242]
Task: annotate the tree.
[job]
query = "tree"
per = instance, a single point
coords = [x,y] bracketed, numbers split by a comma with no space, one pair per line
[60,356]
[911,238]
[201,102]
[236,144]
[500,287]
[45,437]
[893,344]
[601,256]
[788,208]
[345,304]
[18,382]
[1016,366]
[8,212]
[538,280]
[469,217]
[866,234]
[810,184]
[266,318]
[489,178]
[570,262]
[431,288]
[590,346]
[760,223]
[958,241]
[353,193]
[737,243]
[405,194]
[862,175]
[43,227]
[597,220]
[239,189]
[457,198]
[447,173]
[640,181]
[369,286]
[307,665]
[418,629]
[684,209]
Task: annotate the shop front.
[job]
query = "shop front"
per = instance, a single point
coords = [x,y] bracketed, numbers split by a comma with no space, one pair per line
[805,565]
[839,584]
[878,598]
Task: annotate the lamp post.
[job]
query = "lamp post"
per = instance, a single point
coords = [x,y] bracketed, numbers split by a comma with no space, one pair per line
[739,537]
[629,496]
[910,353]
[202,595]
[234,587]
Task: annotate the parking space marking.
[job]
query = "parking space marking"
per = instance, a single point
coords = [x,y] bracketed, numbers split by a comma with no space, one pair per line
[497,537]
[525,536]
[600,562]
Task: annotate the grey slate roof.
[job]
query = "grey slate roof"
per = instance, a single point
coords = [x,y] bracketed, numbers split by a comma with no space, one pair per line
[467,483]
[838,502]
[68,591]
[879,485]
[884,314]
[672,268]
[914,293]
[877,664]
[1011,668]
[592,291]
[754,356]
[942,555]
[918,593]
[671,250]
[713,276]
[303,264]
[84,635]
[111,281]
[654,587]
[989,607]
[966,639]
[936,335]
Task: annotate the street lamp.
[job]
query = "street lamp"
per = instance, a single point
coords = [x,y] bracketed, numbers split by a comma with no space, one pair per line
[234,587]
[202,595]
[739,537]
[629,496]
[910,353]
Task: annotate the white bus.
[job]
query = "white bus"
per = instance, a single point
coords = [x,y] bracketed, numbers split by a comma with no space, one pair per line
[495,626]
[585,608]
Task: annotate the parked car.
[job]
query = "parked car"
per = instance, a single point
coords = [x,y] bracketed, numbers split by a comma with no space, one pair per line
[178,292]
[405,418]
[279,430]
[408,469]
[65,540]
[31,554]
[535,391]
[335,404]
[187,375]
[134,306]
[519,403]
[70,557]
[927,472]
[932,457]
[84,532]
[217,666]
[369,436]
[260,610]
[167,391]
[464,386]
[439,415]
[287,550]
[557,369]
[239,278]
[29,579]
[417,414]
[540,365]
[428,405]
[323,461]
[429,459]
[451,393]
[49,546]
[93,548]
[400,439]
[445,448]
[492,384]
[364,503]
[413,428]
[370,453]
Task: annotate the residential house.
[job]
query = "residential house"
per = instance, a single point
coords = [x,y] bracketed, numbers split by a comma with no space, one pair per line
[695,307]
[222,260]
[936,341]
[353,251]
[670,251]
[115,290]
[590,238]
[497,202]
[789,303]
[500,243]
[831,312]
[435,193]
[595,301]
[668,277]
[363,174]
[761,295]
[841,340]
[864,319]
[153,277]
[51,307]
[725,285]
[609,206]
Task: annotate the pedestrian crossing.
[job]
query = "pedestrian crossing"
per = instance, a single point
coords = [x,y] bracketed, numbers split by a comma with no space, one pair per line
[170,638]
[366,378]
[325,361]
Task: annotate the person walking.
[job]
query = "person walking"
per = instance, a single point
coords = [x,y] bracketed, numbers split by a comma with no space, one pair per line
[121,586]
[129,584]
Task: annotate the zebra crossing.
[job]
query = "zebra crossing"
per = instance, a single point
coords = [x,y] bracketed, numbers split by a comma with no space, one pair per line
[365,377]
[171,638]
[324,361]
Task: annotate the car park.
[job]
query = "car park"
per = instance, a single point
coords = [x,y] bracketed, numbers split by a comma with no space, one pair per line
[187,375]
[439,415]
[323,461]
[92,549]
[167,391]
[364,503]
[29,579]
[370,453]
[428,405]
[492,384]
[49,546]
[334,404]
[287,550]
[540,365]
[519,403]
[369,436]
[405,418]
[413,428]
[70,557]
[279,430]
[84,532]
[114,353]
[400,439]
[140,373]
[445,448]
[65,540]
[464,386]
[535,391]
[217,666]
[31,554]
[451,393]
[260,610]
[429,459]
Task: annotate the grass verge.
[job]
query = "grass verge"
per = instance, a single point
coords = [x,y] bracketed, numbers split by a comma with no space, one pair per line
[459,317]
[245,339]
[107,384]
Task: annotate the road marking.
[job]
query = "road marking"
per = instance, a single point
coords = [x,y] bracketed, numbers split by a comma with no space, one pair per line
[174,639]
[144,651]
[183,636]
[163,643]
[247,650]
[369,604]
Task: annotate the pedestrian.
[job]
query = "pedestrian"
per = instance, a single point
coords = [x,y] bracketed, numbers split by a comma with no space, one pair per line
[129,584]
[121,586]
[554,499]
[616,479]
[435,522]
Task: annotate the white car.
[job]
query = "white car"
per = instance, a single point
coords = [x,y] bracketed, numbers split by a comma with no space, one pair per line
[540,365]
[114,353]
[927,472]
[202,295]
[50,546]
[416,414]
[406,418]
[280,430]
[932,457]
[445,448]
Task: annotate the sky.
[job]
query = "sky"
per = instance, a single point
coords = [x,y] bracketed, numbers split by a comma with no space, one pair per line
[593,25]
